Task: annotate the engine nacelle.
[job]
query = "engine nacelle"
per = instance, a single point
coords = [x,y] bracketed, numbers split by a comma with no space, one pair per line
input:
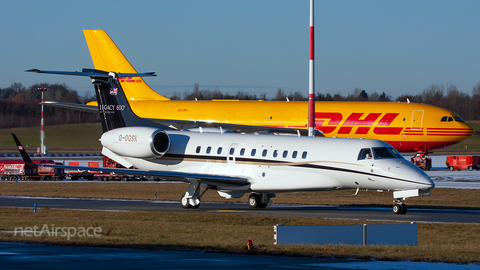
[138,142]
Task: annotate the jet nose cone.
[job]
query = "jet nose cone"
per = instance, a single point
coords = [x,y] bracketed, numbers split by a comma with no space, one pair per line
[428,182]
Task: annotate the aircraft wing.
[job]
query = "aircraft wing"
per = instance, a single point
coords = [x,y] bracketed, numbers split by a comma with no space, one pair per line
[211,179]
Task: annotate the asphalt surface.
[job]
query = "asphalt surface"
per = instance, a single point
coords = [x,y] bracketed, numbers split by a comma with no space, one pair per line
[29,256]
[368,213]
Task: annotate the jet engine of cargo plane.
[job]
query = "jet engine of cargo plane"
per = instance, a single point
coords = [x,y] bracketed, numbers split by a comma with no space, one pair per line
[138,142]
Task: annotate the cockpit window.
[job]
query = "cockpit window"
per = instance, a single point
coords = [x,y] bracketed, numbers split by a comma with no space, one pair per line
[365,153]
[458,119]
[450,119]
[385,152]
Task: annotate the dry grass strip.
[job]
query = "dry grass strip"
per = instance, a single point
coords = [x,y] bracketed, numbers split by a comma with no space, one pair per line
[227,232]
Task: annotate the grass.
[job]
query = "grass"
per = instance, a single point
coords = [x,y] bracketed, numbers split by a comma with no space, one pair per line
[228,232]
[441,197]
[61,137]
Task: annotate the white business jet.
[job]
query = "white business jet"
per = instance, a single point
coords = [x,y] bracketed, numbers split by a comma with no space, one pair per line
[235,164]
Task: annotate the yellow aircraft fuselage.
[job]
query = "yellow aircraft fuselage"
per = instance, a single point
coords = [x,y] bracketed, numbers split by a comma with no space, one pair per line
[406,126]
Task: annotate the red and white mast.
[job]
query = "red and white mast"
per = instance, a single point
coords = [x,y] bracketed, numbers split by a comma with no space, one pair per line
[42,133]
[311,83]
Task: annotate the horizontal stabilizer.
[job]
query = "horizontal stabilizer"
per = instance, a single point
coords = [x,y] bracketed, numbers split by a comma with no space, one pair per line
[92,73]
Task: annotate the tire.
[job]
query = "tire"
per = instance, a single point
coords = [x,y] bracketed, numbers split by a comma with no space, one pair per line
[404,209]
[254,200]
[451,168]
[470,168]
[397,209]
[262,205]
[184,202]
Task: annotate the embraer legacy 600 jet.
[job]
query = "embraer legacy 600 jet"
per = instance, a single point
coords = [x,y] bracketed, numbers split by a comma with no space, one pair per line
[406,126]
[235,163]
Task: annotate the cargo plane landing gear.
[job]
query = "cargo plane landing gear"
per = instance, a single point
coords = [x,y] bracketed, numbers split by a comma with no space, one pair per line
[260,200]
[400,208]
[191,198]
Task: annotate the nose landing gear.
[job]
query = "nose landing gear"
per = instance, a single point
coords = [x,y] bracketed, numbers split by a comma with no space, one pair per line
[400,208]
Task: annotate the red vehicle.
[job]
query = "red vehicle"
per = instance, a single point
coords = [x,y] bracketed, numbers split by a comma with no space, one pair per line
[463,162]
[104,176]
[21,170]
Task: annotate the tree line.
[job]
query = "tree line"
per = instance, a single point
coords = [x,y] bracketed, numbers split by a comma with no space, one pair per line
[19,106]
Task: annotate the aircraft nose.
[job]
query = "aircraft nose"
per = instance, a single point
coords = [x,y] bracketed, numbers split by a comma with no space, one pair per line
[469,130]
[428,182]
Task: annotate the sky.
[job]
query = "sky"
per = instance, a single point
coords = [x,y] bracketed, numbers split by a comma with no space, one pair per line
[254,46]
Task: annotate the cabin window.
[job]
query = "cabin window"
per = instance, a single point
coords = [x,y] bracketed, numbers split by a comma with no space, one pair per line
[275,153]
[219,150]
[444,119]
[264,153]
[386,152]
[209,149]
[232,150]
[294,154]
[304,155]
[285,154]
[198,149]
[365,153]
[242,151]
[254,151]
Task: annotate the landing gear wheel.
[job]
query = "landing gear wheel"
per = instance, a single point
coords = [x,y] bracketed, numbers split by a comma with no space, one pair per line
[399,209]
[185,202]
[262,205]
[254,200]
[194,207]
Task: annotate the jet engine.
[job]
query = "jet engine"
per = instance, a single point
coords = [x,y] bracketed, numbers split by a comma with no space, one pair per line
[137,142]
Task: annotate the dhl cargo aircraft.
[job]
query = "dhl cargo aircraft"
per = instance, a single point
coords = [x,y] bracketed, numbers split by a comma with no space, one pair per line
[406,126]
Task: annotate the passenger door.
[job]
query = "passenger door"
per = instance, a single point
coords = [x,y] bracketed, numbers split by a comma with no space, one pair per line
[231,153]
[417,119]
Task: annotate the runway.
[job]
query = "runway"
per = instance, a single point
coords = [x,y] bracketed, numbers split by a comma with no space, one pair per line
[333,212]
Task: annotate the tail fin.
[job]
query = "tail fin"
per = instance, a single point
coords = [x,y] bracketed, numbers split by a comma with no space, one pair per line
[24,154]
[106,56]
[113,106]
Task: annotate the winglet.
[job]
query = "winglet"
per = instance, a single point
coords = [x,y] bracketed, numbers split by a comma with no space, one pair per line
[24,154]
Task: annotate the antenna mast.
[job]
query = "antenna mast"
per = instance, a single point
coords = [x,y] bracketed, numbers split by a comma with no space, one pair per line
[311,83]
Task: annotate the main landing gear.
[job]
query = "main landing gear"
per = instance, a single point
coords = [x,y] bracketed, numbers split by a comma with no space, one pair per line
[191,198]
[400,208]
[260,200]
